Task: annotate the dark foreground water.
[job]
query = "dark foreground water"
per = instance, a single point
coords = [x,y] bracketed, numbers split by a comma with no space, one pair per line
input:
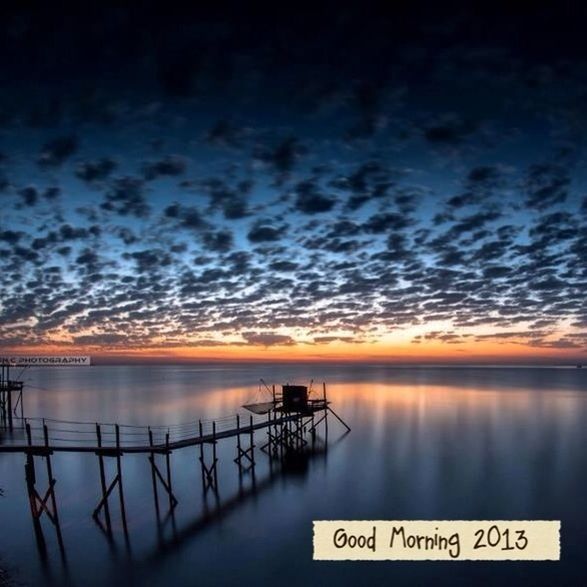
[426,443]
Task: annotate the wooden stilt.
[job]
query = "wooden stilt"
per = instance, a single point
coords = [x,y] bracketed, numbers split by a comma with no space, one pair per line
[48,503]
[103,480]
[202,468]
[209,473]
[52,482]
[245,458]
[119,475]
[238,442]
[172,498]
[9,404]
[117,481]
[153,474]
[325,407]
[339,419]
[215,460]
[252,441]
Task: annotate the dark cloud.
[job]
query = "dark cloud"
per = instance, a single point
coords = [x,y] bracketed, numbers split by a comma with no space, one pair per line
[231,200]
[381,223]
[150,260]
[187,217]
[29,195]
[101,340]
[369,181]
[225,134]
[285,266]
[262,232]
[310,200]
[10,236]
[329,339]
[546,184]
[56,151]
[268,339]
[450,129]
[96,170]
[51,193]
[171,165]
[126,197]
[220,241]
[282,157]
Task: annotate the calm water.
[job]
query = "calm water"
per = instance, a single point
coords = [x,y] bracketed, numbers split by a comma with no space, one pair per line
[426,443]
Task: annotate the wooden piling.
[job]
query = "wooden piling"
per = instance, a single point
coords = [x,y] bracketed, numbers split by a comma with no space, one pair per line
[325,407]
[238,441]
[172,501]
[51,489]
[214,459]
[153,474]
[119,474]
[9,403]
[103,479]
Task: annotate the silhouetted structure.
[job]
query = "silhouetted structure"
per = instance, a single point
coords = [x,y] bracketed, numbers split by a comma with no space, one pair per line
[287,420]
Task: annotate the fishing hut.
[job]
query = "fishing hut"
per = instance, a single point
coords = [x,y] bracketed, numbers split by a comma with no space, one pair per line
[299,409]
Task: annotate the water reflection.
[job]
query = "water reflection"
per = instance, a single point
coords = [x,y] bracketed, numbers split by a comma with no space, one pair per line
[426,443]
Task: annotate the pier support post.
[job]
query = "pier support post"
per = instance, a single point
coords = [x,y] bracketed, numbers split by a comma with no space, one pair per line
[103,479]
[297,439]
[325,407]
[116,481]
[48,503]
[209,472]
[9,405]
[245,458]
[156,473]
[275,437]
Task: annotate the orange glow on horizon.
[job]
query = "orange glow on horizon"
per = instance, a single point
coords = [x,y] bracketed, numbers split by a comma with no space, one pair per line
[427,351]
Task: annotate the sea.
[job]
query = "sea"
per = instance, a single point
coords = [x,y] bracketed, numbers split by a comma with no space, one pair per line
[426,443]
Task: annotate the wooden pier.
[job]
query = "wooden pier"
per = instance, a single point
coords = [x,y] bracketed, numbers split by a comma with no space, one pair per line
[287,428]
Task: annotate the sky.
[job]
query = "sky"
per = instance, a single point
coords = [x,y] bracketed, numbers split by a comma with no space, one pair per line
[394,184]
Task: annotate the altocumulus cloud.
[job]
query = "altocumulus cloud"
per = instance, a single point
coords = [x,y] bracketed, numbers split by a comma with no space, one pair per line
[215,193]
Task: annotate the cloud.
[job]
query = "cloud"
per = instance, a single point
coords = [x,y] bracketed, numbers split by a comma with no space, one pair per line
[262,232]
[188,217]
[97,170]
[220,241]
[385,174]
[56,151]
[282,157]
[172,165]
[268,339]
[310,200]
[450,129]
[102,340]
[546,184]
[29,195]
[126,197]
[10,236]
[226,134]
[231,200]
[329,339]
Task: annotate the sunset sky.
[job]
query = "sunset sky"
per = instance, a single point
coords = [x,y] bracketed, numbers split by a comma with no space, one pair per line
[337,184]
